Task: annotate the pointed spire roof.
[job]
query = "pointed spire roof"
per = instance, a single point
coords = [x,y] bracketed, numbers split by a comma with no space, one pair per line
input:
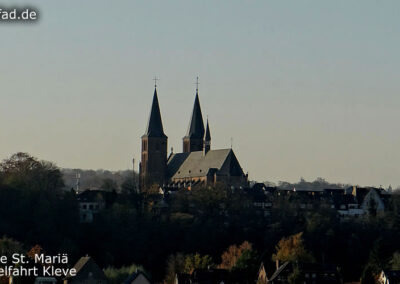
[196,125]
[154,126]
[208,135]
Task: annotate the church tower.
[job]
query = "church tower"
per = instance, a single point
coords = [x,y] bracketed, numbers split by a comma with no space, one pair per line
[153,167]
[207,140]
[193,141]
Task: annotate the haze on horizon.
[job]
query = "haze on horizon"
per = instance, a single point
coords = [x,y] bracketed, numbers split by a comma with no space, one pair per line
[305,88]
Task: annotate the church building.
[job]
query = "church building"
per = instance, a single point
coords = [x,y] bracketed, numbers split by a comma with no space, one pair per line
[197,165]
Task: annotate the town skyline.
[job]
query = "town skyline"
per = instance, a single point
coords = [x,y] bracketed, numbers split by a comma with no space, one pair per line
[304,90]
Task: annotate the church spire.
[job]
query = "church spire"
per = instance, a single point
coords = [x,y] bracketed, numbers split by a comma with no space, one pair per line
[196,125]
[193,141]
[207,139]
[155,126]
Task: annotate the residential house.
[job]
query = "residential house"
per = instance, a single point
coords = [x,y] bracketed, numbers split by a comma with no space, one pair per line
[262,275]
[389,277]
[310,273]
[137,277]
[87,272]
[91,202]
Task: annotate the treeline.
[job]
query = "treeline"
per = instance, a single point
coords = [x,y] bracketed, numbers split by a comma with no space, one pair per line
[35,209]
[97,179]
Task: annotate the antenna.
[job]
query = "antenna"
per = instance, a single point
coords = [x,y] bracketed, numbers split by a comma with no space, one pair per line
[78,181]
[231,142]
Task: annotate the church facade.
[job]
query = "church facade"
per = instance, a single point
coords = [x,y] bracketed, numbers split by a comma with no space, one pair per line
[197,165]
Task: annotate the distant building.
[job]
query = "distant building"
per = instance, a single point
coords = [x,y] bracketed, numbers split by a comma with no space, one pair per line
[91,202]
[373,201]
[197,165]
[87,272]
[351,202]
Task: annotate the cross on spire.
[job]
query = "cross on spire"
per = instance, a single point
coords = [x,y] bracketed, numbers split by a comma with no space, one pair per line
[155,81]
[197,84]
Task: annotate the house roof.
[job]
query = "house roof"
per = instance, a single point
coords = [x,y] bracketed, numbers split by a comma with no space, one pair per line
[196,164]
[81,263]
[134,276]
[324,273]
[393,275]
[86,267]
[96,195]
[175,161]
[279,270]
[155,126]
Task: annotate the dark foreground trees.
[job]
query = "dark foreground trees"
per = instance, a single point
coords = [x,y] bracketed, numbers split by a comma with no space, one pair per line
[137,228]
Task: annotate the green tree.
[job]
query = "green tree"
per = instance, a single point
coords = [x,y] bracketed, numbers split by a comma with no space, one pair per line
[109,184]
[175,264]
[395,261]
[9,246]
[119,275]
[128,186]
[233,254]
[295,277]
[26,172]
[292,249]
[368,276]
[248,264]
[196,261]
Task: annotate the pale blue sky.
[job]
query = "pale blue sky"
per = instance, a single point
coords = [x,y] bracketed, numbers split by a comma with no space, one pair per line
[305,88]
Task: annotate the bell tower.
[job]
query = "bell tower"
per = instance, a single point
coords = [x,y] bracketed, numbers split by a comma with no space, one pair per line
[153,166]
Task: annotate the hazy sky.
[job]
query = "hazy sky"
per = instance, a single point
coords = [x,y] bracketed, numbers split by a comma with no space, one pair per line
[305,88]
